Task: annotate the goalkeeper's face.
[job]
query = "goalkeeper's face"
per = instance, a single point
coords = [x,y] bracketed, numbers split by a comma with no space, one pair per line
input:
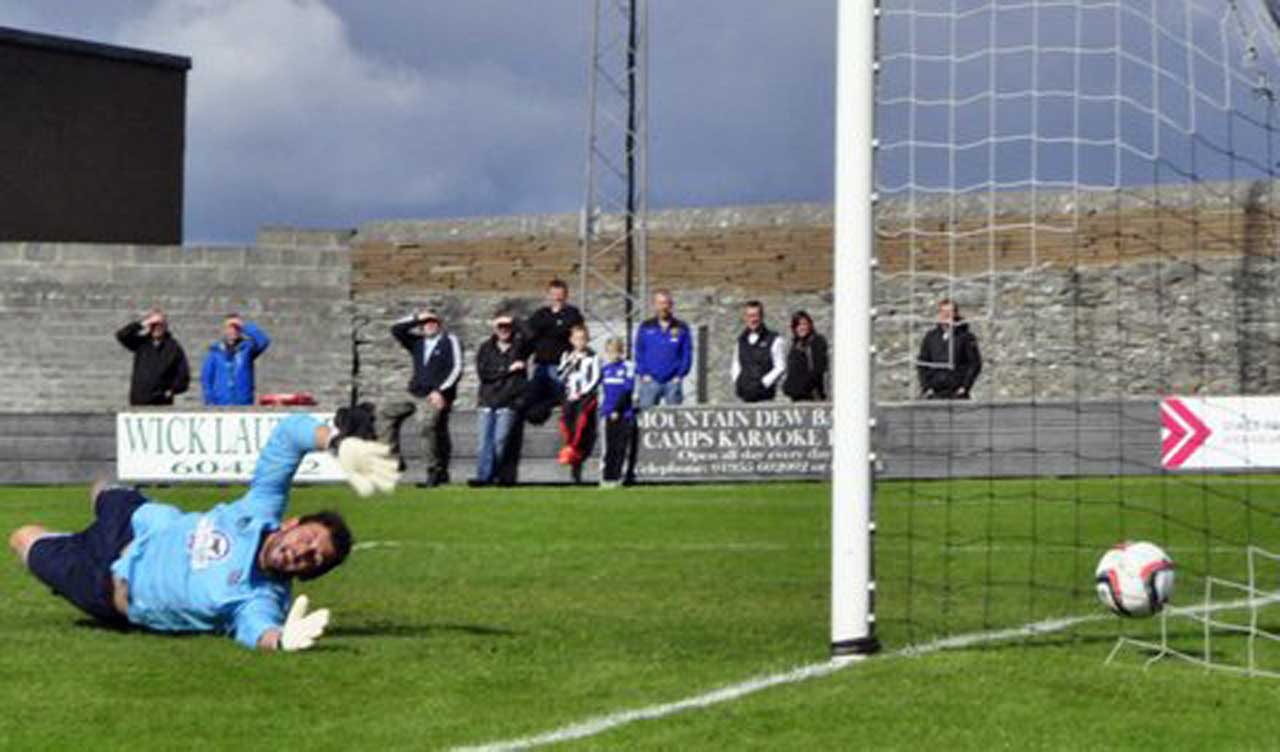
[298,549]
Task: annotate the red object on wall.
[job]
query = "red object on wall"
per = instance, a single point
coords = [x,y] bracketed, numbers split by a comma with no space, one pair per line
[287,398]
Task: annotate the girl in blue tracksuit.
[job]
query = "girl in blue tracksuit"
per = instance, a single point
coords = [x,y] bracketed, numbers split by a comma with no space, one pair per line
[227,375]
[618,377]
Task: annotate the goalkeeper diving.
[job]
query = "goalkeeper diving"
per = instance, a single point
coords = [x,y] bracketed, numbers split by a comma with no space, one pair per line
[229,570]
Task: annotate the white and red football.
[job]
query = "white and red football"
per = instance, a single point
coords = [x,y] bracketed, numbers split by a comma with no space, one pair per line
[1135,578]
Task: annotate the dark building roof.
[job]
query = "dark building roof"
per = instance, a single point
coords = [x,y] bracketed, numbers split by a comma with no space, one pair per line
[93,49]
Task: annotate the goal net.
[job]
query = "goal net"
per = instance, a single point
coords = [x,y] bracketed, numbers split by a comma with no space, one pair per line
[1092,184]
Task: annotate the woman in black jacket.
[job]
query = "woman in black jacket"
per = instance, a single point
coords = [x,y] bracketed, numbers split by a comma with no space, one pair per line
[806,361]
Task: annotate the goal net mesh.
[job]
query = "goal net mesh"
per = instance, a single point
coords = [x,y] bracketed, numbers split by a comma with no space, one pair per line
[1093,184]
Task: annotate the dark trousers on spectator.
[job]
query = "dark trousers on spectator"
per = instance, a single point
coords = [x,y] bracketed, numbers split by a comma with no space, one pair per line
[434,427]
[542,394]
[578,433]
[621,442]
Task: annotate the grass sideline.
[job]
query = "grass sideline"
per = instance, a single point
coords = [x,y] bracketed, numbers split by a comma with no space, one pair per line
[493,614]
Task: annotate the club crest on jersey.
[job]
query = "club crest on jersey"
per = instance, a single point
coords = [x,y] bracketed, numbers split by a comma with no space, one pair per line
[207,545]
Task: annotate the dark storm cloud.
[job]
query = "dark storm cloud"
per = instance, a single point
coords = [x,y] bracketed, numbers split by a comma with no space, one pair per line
[332,113]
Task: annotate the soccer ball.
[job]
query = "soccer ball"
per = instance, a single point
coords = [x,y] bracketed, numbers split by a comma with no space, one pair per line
[1135,578]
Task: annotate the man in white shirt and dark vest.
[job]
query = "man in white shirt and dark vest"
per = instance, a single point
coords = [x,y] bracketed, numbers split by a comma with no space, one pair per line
[760,359]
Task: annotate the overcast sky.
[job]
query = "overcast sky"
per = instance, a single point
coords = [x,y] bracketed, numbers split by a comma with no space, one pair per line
[328,113]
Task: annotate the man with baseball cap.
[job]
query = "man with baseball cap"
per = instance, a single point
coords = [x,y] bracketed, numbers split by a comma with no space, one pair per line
[503,380]
[437,365]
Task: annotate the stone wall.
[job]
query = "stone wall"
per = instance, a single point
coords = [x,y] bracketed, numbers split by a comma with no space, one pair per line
[1117,294]
[1070,294]
[1128,295]
[713,260]
[62,304]
[1158,326]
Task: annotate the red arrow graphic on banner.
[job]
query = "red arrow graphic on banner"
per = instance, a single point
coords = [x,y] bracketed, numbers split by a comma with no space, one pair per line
[1174,433]
[1187,433]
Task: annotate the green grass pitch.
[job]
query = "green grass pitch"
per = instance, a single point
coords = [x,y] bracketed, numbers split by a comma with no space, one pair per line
[481,615]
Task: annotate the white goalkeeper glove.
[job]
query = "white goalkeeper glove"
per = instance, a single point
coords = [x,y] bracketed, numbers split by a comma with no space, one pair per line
[300,628]
[369,465]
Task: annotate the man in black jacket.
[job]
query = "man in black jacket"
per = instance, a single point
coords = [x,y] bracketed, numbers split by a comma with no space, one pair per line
[437,365]
[160,369]
[949,361]
[547,338]
[502,385]
[760,358]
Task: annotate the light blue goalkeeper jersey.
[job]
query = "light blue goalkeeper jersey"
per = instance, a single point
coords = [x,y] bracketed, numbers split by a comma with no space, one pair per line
[197,571]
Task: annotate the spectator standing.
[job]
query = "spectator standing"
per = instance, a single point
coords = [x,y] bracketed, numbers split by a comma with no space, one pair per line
[664,354]
[760,358]
[547,339]
[949,361]
[160,369]
[437,365]
[806,379]
[580,373]
[227,377]
[502,385]
[618,377]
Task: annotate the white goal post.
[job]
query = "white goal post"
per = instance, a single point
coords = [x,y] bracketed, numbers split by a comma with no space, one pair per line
[852,584]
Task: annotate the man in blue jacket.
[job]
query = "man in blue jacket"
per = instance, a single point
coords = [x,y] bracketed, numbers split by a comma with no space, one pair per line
[664,354]
[227,375]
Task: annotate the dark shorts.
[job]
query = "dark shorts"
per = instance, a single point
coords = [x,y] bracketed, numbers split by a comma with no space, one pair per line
[78,566]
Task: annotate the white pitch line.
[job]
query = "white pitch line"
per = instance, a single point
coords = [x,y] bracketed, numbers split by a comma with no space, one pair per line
[965,549]
[743,546]
[603,723]
[600,724]
[365,545]
[1048,626]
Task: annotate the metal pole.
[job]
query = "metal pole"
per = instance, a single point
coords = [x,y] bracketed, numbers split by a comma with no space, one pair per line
[630,148]
[852,586]
[586,223]
[642,164]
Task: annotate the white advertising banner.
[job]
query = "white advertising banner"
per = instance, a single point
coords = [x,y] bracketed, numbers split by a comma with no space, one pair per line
[210,446]
[754,442]
[1219,433]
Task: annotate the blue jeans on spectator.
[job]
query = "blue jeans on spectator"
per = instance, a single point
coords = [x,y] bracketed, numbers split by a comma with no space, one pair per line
[652,392]
[494,429]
